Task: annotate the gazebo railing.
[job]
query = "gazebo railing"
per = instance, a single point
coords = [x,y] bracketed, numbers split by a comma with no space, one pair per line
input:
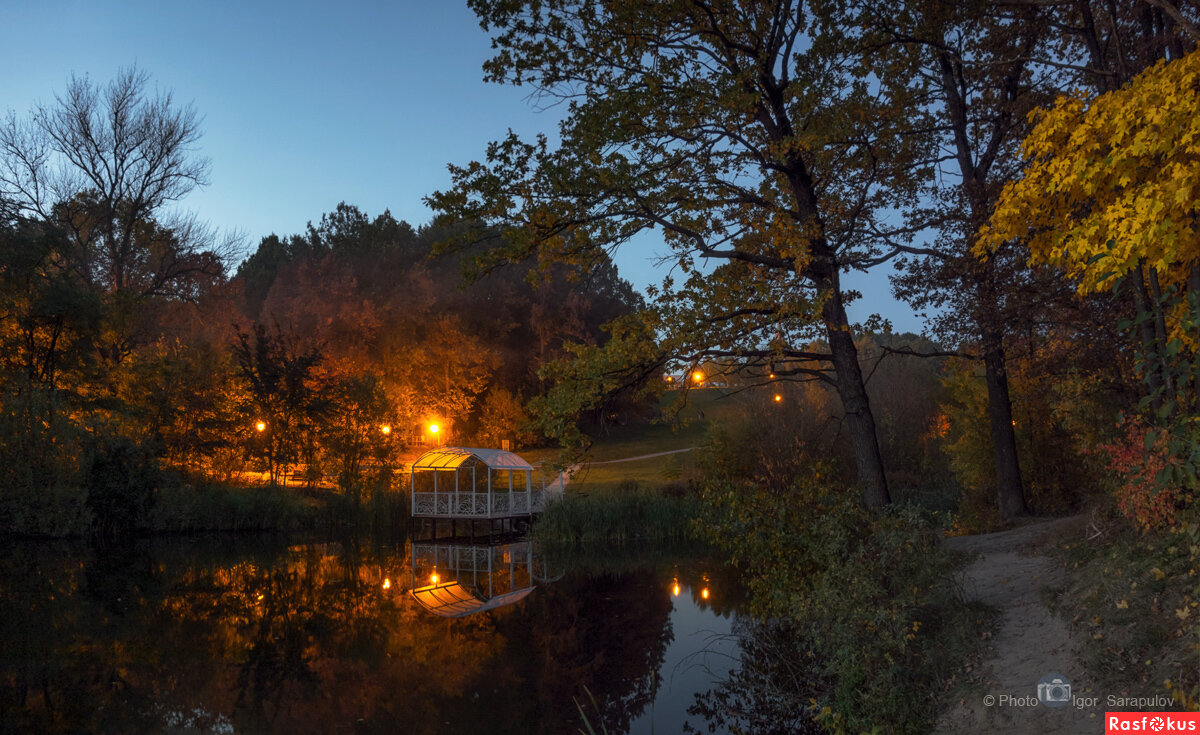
[477,505]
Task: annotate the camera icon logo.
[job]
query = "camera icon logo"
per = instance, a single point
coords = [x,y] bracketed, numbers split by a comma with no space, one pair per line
[1053,690]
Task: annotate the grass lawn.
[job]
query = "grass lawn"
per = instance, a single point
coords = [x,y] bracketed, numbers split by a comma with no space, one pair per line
[705,407]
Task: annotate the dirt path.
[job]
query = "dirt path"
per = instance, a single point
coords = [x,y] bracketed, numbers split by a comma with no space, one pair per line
[1010,573]
[643,456]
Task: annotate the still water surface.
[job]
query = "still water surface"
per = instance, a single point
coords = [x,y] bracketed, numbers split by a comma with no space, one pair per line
[255,635]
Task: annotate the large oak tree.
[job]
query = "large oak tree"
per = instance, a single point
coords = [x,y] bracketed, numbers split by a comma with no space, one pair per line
[748,134]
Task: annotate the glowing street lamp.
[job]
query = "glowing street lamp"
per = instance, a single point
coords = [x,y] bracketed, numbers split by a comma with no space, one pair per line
[433,578]
[698,377]
[260,426]
[778,398]
[385,429]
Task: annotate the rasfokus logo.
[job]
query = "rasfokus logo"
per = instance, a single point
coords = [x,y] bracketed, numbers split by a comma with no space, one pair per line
[1165,722]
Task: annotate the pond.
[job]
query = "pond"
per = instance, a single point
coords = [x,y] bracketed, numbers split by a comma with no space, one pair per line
[237,634]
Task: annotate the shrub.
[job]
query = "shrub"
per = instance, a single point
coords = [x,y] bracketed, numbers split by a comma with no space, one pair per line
[213,507]
[866,595]
[121,485]
[1138,460]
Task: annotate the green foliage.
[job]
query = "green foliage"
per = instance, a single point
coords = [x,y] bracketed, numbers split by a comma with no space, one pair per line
[213,507]
[501,418]
[51,320]
[1059,465]
[54,511]
[40,446]
[352,431]
[122,485]
[867,594]
[286,398]
[1175,424]
[595,379]
[769,444]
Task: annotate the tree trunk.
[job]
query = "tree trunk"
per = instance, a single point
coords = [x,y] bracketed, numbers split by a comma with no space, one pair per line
[853,392]
[1141,301]
[1010,492]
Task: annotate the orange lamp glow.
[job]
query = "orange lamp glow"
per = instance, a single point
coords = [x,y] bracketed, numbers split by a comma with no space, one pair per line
[675,589]
[261,426]
[433,428]
[778,398]
[433,578]
[698,376]
[704,593]
[385,429]
[387,584]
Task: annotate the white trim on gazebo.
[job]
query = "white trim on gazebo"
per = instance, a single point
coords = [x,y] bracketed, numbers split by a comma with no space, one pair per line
[477,500]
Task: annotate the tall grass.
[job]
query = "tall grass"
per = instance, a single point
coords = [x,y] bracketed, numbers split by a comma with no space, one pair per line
[618,517]
[229,508]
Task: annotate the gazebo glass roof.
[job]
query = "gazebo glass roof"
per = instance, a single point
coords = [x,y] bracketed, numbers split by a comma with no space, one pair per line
[449,458]
[454,601]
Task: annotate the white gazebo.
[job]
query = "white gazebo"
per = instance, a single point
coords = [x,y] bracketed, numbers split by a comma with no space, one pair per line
[470,483]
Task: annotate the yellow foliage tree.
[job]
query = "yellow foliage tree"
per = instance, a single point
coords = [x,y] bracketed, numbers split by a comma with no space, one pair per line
[1113,183]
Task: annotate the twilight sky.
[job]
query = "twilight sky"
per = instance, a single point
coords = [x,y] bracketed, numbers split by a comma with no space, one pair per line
[307,104]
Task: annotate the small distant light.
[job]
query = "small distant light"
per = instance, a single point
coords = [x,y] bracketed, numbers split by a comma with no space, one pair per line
[261,426]
[433,578]
[704,593]
[385,429]
[387,584]
[771,376]
[698,376]
[433,428]
[675,589]
[778,398]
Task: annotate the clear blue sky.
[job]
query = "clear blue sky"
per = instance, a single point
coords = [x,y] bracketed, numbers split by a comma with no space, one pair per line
[307,104]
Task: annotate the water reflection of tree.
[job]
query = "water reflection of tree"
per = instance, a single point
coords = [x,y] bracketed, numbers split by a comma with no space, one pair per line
[310,640]
[766,693]
[605,634]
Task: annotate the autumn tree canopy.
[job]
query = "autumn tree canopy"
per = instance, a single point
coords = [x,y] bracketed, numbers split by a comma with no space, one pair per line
[1112,183]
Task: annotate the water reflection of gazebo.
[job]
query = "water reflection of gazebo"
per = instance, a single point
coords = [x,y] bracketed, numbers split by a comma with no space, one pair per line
[474,484]
[453,580]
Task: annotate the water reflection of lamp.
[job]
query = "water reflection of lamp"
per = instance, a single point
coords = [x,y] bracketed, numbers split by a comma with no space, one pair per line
[675,588]
[704,593]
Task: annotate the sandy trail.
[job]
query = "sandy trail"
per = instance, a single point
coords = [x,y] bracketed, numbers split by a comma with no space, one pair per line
[1009,573]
